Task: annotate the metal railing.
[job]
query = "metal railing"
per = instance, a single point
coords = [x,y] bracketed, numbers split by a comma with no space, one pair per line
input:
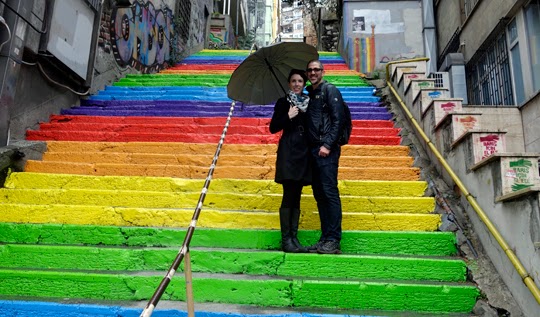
[520,269]
[184,249]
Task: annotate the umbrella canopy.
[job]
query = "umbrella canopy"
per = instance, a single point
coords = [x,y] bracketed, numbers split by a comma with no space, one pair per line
[262,77]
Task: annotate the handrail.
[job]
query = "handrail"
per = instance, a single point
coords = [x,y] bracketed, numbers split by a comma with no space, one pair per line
[149,309]
[527,280]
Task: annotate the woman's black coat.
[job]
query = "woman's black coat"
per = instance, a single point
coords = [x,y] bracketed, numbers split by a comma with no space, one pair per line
[293,157]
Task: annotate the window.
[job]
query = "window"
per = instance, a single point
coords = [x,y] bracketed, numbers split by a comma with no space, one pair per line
[489,77]
[469,6]
[532,19]
[515,57]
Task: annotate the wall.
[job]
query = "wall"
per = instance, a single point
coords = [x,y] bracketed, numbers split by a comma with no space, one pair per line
[448,18]
[145,48]
[531,124]
[377,32]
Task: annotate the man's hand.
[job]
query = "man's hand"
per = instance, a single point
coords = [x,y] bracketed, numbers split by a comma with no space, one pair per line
[293,112]
[324,152]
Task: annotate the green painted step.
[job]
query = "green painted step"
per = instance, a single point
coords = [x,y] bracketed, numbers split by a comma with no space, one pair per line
[28,180]
[240,289]
[353,242]
[233,261]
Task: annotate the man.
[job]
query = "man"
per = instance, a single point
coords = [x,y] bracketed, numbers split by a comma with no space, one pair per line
[325,119]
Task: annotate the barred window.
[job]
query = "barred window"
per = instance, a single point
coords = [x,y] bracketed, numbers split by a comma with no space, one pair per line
[488,75]
[183,18]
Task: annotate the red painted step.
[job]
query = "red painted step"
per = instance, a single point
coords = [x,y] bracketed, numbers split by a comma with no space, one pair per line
[101,136]
[187,128]
[195,120]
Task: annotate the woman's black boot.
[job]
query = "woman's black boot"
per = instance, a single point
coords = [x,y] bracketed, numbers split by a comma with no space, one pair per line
[287,244]
[295,220]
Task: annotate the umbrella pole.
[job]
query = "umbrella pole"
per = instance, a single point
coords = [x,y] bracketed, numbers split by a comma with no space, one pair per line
[275,76]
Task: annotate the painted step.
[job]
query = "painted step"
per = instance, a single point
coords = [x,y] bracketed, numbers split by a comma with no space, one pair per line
[213,200]
[240,106]
[180,107]
[165,309]
[201,121]
[379,162]
[193,128]
[414,243]
[176,217]
[240,138]
[190,113]
[27,180]
[232,194]
[204,160]
[233,261]
[239,289]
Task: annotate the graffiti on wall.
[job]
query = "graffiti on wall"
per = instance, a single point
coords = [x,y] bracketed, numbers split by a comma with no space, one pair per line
[218,37]
[366,26]
[140,36]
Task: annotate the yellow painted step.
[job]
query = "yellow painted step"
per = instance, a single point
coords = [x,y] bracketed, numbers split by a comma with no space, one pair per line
[223,201]
[28,180]
[120,216]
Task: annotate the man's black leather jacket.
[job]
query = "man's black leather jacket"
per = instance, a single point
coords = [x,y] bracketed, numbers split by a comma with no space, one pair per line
[328,103]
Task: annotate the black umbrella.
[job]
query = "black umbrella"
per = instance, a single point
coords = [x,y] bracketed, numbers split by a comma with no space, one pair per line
[262,77]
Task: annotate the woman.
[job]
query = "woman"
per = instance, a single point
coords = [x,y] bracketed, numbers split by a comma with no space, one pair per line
[293,169]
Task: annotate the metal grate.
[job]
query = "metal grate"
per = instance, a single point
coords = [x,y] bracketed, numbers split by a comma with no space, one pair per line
[184,16]
[95,4]
[441,79]
[489,76]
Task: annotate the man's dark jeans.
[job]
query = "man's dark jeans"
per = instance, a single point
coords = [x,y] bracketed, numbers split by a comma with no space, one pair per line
[326,193]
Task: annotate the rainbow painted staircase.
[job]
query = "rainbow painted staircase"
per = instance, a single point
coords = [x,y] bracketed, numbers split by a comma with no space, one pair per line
[102,215]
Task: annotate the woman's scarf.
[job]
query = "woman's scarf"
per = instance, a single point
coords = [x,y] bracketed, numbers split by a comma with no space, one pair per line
[301,101]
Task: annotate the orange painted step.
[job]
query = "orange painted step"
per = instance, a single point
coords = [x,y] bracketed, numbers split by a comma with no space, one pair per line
[210,149]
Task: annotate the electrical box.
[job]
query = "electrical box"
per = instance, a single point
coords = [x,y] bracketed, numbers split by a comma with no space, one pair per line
[70,34]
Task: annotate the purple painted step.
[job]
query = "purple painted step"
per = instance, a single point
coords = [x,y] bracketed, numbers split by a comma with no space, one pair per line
[194,113]
[224,109]
[115,103]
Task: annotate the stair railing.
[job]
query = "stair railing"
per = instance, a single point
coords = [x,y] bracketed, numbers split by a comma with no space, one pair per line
[526,278]
[184,249]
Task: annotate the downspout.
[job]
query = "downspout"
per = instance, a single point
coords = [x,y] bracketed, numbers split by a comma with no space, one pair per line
[529,282]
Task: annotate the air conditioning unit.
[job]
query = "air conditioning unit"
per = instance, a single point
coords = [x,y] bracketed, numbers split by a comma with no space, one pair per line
[70,40]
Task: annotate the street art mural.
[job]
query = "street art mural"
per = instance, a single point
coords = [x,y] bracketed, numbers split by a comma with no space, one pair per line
[141,36]
[218,37]
[378,36]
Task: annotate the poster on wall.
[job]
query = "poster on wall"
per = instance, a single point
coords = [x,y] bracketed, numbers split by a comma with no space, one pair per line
[379,20]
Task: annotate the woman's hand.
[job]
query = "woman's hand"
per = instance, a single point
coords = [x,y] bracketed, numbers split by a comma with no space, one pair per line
[293,112]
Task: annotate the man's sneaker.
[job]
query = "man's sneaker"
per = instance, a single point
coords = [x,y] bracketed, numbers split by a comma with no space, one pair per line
[314,248]
[329,247]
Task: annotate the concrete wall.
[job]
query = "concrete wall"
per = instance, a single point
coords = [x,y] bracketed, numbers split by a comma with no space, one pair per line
[381,31]
[481,22]
[37,97]
[531,124]
[448,18]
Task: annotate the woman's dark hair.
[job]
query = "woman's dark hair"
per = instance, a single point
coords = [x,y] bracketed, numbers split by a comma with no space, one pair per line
[297,72]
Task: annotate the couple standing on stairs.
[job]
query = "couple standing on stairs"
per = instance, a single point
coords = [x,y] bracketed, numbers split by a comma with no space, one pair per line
[308,153]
